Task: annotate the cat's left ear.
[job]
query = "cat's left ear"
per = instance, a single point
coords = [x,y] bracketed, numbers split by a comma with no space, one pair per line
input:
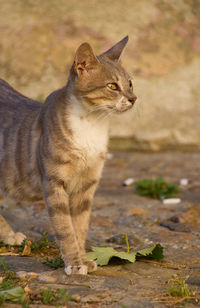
[85,60]
[115,52]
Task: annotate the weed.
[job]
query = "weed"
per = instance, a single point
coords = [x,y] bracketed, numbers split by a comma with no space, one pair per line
[40,98]
[37,246]
[14,295]
[157,188]
[10,280]
[2,244]
[21,247]
[3,266]
[48,296]
[178,287]
[60,296]
[122,305]
[41,244]
[54,263]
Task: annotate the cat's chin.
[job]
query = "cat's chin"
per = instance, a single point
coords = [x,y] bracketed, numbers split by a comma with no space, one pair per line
[118,111]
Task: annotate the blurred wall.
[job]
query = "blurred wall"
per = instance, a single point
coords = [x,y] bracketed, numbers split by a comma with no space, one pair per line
[38,39]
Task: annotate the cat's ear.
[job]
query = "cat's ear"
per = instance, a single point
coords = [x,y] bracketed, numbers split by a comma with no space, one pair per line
[114,52]
[85,60]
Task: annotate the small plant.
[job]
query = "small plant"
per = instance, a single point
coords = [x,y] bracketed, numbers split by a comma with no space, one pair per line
[56,297]
[179,288]
[14,295]
[10,291]
[2,244]
[48,296]
[40,98]
[156,188]
[41,244]
[10,281]
[54,262]
[3,266]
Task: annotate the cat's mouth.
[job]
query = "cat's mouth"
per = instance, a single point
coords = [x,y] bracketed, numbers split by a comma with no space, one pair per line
[124,108]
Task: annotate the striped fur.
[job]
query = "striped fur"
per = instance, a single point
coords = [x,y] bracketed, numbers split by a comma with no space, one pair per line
[56,150]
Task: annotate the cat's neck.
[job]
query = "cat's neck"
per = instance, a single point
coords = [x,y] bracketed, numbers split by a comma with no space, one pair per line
[89,129]
[78,109]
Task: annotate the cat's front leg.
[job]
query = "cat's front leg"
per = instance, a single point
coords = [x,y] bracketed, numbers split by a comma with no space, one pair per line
[59,212]
[81,205]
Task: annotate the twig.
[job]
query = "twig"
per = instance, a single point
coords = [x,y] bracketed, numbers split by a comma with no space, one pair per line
[127,243]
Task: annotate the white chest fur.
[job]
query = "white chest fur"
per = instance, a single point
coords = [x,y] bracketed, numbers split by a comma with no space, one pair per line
[90,133]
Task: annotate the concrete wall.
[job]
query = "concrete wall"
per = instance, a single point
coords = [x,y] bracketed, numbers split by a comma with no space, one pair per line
[38,40]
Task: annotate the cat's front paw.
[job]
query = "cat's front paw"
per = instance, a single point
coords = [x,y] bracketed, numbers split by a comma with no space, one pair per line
[91,265]
[76,269]
[15,238]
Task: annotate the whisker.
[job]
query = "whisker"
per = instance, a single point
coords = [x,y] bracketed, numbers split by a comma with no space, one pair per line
[104,116]
[96,109]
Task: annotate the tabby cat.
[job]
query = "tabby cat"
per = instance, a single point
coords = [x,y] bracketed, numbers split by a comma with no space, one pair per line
[56,150]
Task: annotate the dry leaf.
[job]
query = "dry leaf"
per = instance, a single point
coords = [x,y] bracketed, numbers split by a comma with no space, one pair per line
[27,249]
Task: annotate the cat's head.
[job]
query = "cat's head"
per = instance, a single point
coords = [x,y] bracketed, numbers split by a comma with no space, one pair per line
[100,81]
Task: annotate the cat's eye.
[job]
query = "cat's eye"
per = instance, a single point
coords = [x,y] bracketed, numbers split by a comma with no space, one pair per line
[113,86]
[130,84]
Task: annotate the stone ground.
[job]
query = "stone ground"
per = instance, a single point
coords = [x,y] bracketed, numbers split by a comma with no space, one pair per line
[119,211]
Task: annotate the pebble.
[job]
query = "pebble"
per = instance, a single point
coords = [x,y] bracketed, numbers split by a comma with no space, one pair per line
[24,275]
[172,201]
[46,278]
[128,182]
[183,182]
[109,155]
[90,299]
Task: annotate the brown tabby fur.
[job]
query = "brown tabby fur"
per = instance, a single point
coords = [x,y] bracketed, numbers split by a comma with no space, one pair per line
[56,150]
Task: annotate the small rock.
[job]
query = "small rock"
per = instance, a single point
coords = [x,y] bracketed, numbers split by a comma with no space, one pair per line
[172,201]
[32,275]
[174,218]
[183,182]
[105,294]
[191,216]
[194,280]
[21,274]
[76,298]
[90,299]
[109,155]
[137,211]
[46,278]
[173,224]
[128,182]
[24,275]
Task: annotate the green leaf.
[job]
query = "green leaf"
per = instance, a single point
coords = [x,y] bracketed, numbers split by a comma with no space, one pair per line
[103,255]
[155,252]
[13,295]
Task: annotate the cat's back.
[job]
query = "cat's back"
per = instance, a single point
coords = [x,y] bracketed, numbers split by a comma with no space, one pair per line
[13,103]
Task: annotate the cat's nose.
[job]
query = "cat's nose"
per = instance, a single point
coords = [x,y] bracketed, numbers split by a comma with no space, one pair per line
[132,100]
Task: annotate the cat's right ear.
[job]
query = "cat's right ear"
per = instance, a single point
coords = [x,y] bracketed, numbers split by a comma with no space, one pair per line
[115,52]
[85,60]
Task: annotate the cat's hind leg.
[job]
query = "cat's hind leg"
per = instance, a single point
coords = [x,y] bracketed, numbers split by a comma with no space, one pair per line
[7,235]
